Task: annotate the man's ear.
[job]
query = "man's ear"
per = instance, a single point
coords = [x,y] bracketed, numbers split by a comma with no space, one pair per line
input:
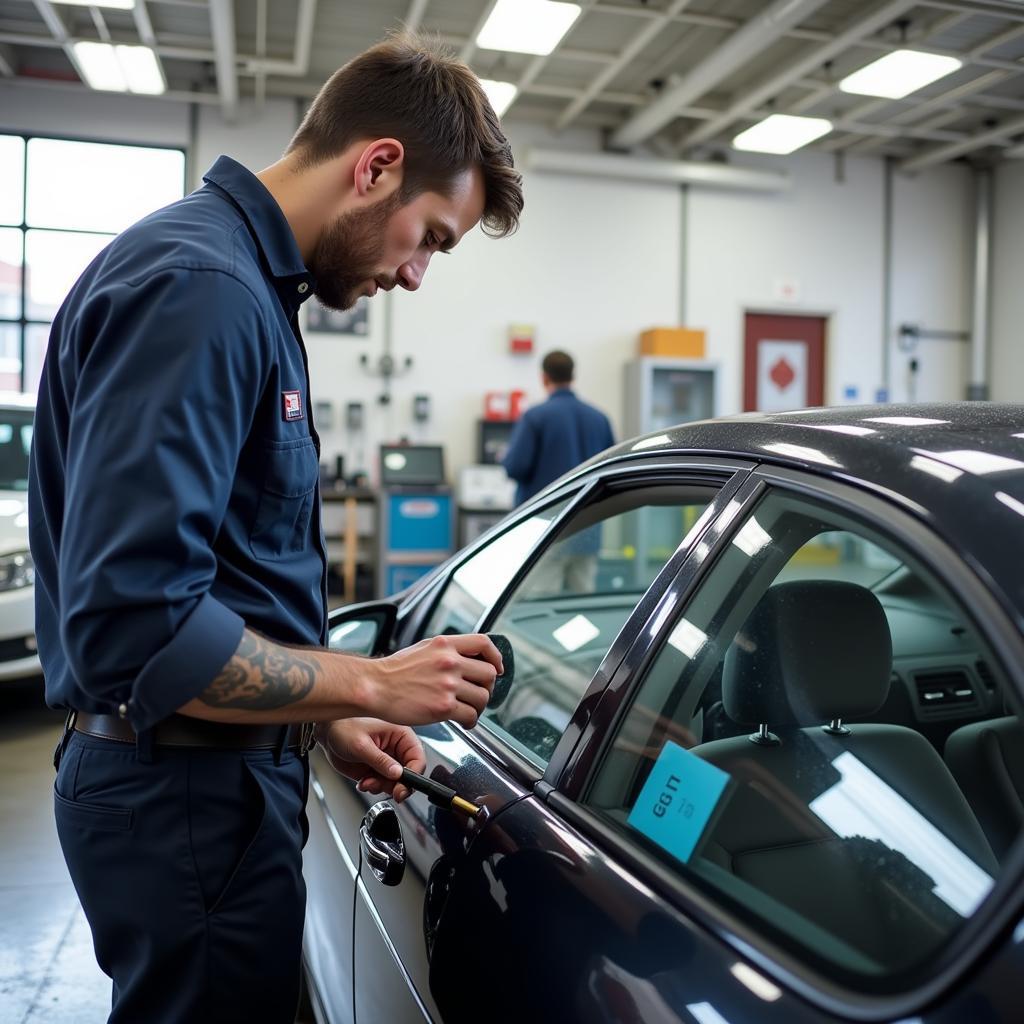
[379,168]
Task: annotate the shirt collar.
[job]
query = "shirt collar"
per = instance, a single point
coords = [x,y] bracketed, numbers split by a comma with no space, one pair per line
[559,392]
[268,226]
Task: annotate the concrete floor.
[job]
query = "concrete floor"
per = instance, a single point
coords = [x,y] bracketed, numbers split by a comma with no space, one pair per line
[47,971]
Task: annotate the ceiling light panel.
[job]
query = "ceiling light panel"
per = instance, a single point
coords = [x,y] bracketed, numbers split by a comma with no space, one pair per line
[100,66]
[141,70]
[501,94]
[781,134]
[900,73]
[527,26]
[113,5]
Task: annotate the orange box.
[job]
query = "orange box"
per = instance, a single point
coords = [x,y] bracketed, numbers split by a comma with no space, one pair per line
[673,341]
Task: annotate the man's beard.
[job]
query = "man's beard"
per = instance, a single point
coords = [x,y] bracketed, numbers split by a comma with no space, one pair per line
[348,253]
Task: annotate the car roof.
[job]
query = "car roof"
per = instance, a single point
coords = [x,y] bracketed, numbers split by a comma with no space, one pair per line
[959,465]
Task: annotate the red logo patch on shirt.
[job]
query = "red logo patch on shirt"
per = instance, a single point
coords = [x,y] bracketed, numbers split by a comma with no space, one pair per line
[291,405]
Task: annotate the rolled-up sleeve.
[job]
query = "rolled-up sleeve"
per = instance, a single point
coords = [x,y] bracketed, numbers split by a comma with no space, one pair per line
[169,372]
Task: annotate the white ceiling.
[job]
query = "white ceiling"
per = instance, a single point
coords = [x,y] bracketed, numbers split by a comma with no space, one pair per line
[680,76]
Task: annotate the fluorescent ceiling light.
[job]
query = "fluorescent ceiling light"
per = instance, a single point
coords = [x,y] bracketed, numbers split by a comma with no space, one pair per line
[1009,502]
[947,473]
[527,26]
[114,5]
[687,638]
[120,68]
[900,73]
[141,69]
[752,538]
[782,133]
[501,94]
[799,451]
[977,462]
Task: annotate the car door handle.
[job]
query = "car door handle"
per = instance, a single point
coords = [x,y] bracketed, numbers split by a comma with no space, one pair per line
[380,838]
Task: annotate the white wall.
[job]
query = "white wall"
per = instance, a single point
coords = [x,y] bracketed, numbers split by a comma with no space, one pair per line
[593,262]
[1007,347]
[597,261]
[933,260]
[825,236]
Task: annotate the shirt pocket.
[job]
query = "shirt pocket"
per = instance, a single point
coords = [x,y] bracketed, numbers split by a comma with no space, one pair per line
[285,506]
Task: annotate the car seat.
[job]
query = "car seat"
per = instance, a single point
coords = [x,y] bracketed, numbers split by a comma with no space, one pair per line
[987,760]
[835,822]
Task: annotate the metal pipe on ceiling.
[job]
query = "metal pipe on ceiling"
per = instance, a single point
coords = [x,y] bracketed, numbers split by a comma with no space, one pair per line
[977,387]
[299,65]
[677,172]
[413,20]
[222,31]
[59,31]
[466,54]
[743,44]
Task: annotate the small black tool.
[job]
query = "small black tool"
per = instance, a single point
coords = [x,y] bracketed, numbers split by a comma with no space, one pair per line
[438,795]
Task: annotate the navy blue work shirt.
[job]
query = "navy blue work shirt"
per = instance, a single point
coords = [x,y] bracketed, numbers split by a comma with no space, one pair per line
[174,485]
[552,438]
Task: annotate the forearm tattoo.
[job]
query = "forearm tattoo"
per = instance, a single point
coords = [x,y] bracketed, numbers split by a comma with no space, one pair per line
[262,676]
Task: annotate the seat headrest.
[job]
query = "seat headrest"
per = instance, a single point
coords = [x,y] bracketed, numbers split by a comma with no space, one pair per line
[810,652]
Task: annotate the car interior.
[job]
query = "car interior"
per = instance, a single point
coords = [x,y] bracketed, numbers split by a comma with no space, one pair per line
[875,778]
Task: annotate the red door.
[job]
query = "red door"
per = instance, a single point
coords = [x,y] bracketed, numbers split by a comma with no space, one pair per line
[784,362]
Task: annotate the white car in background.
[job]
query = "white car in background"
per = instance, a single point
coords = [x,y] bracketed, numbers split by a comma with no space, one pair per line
[18,656]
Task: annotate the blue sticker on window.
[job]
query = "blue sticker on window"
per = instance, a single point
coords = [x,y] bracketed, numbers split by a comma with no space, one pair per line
[677,800]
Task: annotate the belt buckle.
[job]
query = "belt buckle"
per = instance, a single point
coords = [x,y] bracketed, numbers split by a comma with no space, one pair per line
[307,737]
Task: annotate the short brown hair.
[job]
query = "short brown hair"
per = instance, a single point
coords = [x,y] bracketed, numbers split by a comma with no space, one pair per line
[558,366]
[415,91]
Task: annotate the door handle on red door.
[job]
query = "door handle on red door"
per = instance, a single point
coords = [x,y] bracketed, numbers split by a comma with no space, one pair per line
[380,837]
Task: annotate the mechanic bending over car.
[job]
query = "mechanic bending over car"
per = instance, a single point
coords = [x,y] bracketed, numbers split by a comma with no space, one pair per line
[176,531]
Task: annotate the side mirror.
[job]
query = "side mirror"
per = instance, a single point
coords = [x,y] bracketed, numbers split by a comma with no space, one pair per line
[362,628]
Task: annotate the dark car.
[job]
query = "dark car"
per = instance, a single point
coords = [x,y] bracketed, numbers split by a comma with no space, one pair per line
[760,759]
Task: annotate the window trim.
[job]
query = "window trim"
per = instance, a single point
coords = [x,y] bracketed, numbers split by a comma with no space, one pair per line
[1003,905]
[23,322]
[726,475]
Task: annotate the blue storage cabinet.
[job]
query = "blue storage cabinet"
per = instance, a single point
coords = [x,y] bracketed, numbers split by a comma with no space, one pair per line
[416,533]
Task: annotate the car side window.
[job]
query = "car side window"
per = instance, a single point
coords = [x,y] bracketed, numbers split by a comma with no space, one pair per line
[566,612]
[831,673]
[478,582]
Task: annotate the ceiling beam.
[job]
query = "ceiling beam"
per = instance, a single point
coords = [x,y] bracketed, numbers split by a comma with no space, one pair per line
[413,20]
[539,62]
[881,15]
[629,52]
[55,23]
[743,44]
[222,31]
[941,154]
[298,66]
[469,48]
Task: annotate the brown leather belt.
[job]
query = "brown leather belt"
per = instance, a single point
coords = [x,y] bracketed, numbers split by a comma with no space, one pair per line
[183,731]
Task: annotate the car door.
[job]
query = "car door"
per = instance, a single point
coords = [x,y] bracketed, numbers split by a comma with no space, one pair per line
[618,891]
[564,594]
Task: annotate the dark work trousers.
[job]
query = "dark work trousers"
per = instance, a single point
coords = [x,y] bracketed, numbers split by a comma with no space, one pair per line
[189,868]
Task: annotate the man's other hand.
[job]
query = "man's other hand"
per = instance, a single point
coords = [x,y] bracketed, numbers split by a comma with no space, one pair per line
[372,753]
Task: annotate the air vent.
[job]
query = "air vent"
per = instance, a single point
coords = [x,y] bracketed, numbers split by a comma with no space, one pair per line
[985,675]
[937,691]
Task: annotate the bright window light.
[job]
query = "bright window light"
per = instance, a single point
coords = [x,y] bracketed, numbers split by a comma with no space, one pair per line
[752,538]
[782,133]
[799,451]
[142,70]
[527,26]
[862,804]
[899,74]
[501,94]
[576,633]
[687,638]
[114,5]
[120,68]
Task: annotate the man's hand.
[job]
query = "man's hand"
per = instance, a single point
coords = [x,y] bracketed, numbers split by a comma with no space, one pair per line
[372,753]
[446,678]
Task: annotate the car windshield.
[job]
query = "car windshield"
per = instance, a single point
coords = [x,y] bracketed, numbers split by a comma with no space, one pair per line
[15,441]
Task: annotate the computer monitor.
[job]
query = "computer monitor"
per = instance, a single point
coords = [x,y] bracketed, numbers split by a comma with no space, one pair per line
[420,465]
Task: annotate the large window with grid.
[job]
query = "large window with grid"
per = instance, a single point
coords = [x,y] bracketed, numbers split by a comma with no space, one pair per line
[61,202]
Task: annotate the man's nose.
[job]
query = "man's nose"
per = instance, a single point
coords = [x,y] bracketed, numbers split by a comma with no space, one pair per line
[410,274]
